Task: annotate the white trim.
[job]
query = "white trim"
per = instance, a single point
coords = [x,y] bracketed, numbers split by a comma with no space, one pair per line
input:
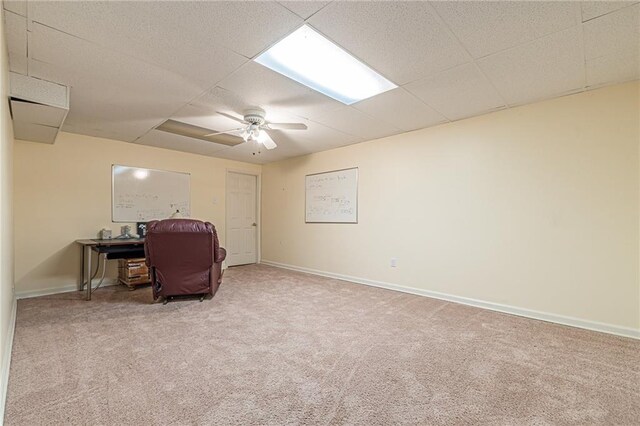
[55,290]
[6,364]
[513,310]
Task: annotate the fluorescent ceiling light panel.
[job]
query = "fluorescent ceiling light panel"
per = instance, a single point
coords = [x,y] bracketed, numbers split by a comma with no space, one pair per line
[307,57]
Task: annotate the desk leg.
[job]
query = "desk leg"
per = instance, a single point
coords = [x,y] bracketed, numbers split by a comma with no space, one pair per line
[82,260]
[88,272]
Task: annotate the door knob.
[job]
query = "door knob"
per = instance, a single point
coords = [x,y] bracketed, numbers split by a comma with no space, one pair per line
[254,224]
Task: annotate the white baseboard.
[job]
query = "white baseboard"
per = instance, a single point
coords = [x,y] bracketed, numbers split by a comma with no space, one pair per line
[528,313]
[6,363]
[64,289]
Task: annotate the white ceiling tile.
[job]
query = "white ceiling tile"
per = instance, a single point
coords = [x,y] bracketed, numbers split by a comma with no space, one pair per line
[16,32]
[144,31]
[78,59]
[349,120]
[487,27]
[549,66]
[458,93]
[33,112]
[107,117]
[593,9]
[305,8]
[166,140]
[110,92]
[19,7]
[401,109]
[16,35]
[219,99]
[616,32]
[192,114]
[34,132]
[256,85]
[316,137]
[133,65]
[245,27]
[18,63]
[252,153]
[613,68]
[290,142]
[404,41]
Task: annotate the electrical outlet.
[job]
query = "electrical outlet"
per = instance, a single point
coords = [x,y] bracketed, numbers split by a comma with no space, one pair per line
[394,262]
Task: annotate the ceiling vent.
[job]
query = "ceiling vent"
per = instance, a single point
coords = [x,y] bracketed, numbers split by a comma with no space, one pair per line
[38,108]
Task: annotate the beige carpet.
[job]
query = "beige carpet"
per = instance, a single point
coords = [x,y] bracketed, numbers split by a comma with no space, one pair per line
[279,347]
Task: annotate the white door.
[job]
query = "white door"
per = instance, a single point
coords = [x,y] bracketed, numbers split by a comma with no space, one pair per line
[242,225]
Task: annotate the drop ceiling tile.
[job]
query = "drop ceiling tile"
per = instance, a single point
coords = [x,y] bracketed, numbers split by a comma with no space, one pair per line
[549,66]
[80,58]
[256,85]
[202,117]
[161,139]
[618,31]
[107,118]
[404,41]
[458,93]
[351,121]
[32,112]
[34,132]
[329,139]
[610,69]
[55,73]
[317,137]
[18,63]
[593,9]
[19,7]
[249,152]
[144,31]
[244,27]
[304,9]
[489,27]
[16,33]
[112,95]
[219,99]
[401,109]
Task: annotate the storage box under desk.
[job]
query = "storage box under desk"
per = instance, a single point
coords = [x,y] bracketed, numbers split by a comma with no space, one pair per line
[133,272]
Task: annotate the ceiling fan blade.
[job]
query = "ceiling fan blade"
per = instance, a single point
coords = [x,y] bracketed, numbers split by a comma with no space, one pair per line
[238,119]
[225,132]
[287,126]
[266,140]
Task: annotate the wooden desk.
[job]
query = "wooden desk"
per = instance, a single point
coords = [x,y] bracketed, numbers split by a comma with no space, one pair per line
[107,249]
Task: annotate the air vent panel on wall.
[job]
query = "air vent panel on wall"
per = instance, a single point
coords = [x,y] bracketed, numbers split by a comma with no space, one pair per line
[38,108]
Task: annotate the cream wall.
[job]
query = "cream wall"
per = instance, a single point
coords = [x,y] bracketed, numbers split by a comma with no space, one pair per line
[6,224]
[534,207]
[63,193]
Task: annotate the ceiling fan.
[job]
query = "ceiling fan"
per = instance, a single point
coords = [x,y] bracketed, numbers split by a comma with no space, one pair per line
[255,128]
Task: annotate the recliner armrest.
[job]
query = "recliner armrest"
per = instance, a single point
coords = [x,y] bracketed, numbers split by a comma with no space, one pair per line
[220,256]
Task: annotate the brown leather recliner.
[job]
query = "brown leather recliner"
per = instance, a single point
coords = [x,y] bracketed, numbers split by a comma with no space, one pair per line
[184,257]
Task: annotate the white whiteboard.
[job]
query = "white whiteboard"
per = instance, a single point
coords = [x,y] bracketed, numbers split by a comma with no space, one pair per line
[332,197]
[140,195]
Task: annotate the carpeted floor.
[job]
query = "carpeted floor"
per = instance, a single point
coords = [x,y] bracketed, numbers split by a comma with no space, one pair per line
[280,347]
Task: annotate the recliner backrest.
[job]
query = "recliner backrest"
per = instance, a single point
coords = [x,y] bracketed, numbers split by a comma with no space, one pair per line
[181,254]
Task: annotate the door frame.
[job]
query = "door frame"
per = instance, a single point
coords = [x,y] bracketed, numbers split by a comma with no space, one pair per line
[258,176]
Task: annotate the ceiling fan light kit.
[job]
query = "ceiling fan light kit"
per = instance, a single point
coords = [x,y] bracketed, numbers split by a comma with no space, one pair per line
[255,129]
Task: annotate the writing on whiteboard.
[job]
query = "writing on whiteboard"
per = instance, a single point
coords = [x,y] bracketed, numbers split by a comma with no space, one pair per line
[332,196]
[140,195]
